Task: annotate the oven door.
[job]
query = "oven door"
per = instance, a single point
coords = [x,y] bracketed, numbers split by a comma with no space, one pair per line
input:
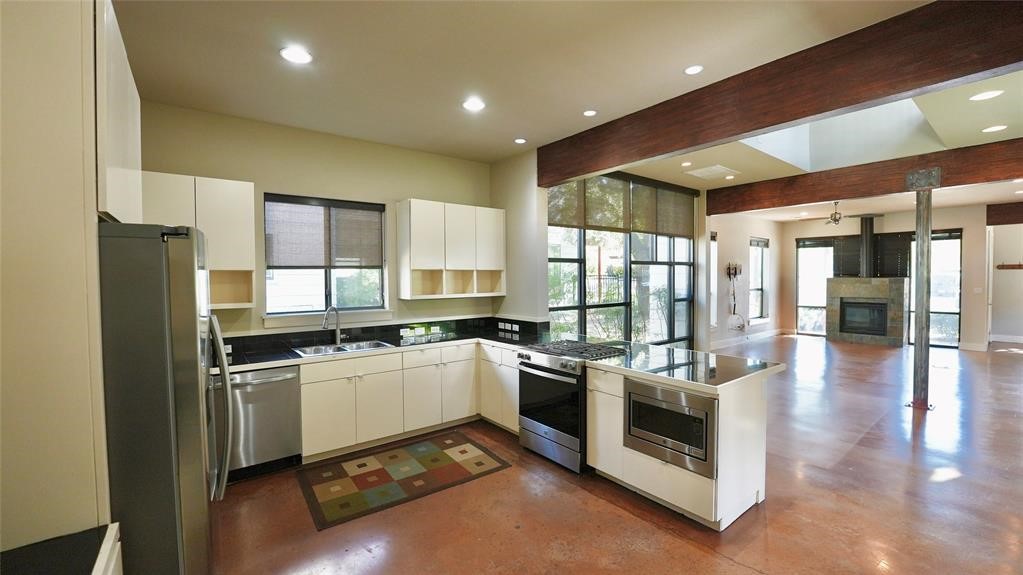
[550,404]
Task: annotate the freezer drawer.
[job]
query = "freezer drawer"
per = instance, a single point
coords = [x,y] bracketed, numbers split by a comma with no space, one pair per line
[267,421]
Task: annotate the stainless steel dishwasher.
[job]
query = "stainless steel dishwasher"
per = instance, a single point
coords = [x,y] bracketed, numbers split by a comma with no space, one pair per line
[266,431]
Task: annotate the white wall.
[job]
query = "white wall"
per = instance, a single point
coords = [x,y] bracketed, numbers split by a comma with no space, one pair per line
[734,232]
[513,186]
[1007,285]
[971,219]
[52,451]
[284,160]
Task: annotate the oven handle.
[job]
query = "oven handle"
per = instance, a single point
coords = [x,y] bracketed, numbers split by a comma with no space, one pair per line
[545,374]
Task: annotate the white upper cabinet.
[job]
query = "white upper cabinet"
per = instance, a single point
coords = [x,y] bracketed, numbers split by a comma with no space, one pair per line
[118,124]
[459,237]
[224,211]
[489,239]
[426,227]
[168,199]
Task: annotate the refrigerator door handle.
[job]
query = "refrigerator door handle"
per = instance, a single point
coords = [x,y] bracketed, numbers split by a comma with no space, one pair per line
[225,378]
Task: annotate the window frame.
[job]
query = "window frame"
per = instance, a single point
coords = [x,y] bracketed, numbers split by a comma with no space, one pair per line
[755,242]
[328,290]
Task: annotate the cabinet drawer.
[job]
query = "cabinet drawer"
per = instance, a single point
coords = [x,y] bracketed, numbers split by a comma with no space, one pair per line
[510,357]
[611,383]
[458,352]
[420,357]
[684,489]
[378,363]
[491,352]
[324,370]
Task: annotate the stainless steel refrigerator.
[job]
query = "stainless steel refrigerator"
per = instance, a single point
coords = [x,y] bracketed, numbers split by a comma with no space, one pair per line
[166,462]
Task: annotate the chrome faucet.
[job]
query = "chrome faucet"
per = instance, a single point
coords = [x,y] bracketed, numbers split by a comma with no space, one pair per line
[337,324]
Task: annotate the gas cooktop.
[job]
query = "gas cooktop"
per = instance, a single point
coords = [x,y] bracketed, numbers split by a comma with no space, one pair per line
[577,349]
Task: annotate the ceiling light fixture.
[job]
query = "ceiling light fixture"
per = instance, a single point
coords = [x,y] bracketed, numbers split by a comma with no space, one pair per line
[986,95]
[729,177]
[804,213]
[1018,181]
[590,113]
[835,216]
[474,104]
[686,164]
[997,128]
[1019,191]
[693,70]
[520,140]
[296,54]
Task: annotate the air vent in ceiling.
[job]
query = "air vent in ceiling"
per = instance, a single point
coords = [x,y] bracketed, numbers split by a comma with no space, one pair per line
[715,172]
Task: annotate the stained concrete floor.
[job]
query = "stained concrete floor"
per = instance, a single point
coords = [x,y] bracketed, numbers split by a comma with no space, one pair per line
[856,483]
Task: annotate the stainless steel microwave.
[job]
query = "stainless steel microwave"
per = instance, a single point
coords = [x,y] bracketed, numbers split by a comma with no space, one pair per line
[672,425]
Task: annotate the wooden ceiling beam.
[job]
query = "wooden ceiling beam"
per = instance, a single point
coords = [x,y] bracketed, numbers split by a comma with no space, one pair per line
[1005,214]
[936,46]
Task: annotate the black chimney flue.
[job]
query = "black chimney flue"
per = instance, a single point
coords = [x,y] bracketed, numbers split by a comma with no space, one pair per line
[867,269]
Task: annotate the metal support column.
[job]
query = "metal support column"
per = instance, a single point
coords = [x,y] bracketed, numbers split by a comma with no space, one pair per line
[922,182]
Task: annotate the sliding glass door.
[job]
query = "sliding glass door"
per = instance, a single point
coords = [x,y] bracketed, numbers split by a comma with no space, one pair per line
[946,274]
[814,265]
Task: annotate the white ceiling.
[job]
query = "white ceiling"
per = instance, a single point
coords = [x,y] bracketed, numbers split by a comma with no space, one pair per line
[397,72]
[987,193]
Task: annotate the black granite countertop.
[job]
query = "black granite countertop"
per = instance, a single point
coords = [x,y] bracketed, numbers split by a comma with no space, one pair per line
[683,364]
[69,554]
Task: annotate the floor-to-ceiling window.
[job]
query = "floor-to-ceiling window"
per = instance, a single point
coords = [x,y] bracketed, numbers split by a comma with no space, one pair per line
[946,278]
[620,259]
[758,271]
[814,265]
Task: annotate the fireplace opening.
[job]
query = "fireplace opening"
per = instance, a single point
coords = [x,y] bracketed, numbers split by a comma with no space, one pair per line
[863,317]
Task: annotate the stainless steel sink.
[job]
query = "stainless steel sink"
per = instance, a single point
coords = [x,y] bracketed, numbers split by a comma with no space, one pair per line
[316,350]
[364,345]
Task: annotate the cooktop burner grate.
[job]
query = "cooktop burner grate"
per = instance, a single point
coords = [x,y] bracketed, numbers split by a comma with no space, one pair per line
[578,349]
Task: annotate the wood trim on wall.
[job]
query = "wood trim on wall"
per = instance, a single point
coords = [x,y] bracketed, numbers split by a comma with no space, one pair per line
[936,46]
[970,165]
[1005,214]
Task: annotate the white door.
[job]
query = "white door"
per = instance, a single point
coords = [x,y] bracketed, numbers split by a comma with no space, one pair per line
[422,396]
[380,405]
[225,212]
[459,392]
[459,237]
[426,235]
[489,239]
[490,391]
[328,415]
[604,428]
[509,377]
[168,199]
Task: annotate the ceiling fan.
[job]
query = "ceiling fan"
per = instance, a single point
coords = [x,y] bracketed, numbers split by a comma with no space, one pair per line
[835,216]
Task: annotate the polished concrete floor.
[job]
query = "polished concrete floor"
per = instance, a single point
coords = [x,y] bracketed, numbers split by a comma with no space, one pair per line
[856,483]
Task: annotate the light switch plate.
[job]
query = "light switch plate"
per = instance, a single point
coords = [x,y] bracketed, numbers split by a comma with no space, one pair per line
[420,331]
[978,290]
[515,327]
[227,348]
[435,329]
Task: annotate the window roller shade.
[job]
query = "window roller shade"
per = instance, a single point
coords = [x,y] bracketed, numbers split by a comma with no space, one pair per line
[356,238]
[565,205]
[322,234]
[616,203]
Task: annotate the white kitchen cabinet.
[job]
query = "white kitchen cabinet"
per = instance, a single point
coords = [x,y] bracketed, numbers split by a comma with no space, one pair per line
[459,237]
[604,432]
[490,391]
[168,199]
[458,394]
[423,396]
[380,405]
[225,212]
[328,415]
[679,487]
[118,123]
[426,227]
[509,378]
[489,239]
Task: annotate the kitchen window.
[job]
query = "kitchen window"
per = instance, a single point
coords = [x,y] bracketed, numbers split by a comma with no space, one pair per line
[322,253]
[758,262]
[620,259]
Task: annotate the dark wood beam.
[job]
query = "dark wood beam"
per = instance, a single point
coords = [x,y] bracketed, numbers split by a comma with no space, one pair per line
[1005,214]
[933,47]
[971,165]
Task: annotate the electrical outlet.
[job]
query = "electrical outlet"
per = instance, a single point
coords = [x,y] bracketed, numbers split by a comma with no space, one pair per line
[515,327]
[227,349]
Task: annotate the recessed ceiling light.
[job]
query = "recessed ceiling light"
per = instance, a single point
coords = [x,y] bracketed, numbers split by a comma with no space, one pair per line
[590,113]
[990,129]
[686,164]
[520,140]
[1019,191]
[474,104]
[986,95]
[729,177]
[1018,181]
[296,54]
[804,213]
[693,70]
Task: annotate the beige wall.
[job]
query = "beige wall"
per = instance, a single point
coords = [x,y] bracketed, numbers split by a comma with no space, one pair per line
[513,187]
[52,454]
[284,160]
[734,232]
[1007,285]
[972,220]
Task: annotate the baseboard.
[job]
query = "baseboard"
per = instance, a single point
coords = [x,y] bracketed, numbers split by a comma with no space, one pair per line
[967,346]
[1005,338]
[748,337]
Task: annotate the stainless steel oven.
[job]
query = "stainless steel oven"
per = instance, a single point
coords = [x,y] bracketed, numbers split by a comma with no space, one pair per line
[675,426]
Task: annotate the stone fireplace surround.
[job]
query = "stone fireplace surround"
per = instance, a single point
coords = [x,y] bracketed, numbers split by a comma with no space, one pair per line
[893,291]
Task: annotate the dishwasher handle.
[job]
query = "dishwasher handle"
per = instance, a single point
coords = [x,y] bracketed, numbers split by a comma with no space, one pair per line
[237,383]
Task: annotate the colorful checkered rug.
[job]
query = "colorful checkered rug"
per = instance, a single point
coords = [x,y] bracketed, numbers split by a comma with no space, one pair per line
[350,486]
